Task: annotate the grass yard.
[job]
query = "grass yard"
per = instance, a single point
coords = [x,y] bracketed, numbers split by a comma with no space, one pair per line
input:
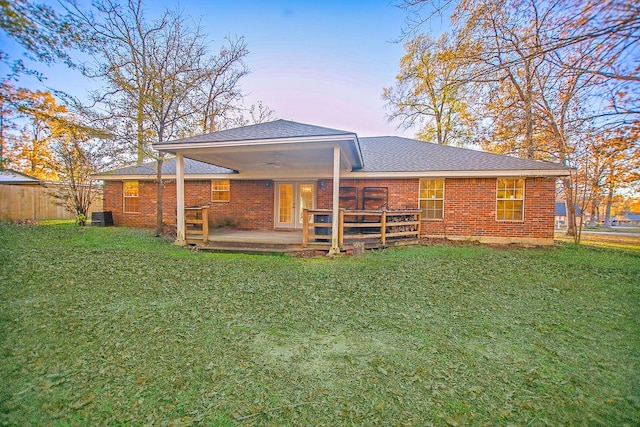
[107,326]
[602,239]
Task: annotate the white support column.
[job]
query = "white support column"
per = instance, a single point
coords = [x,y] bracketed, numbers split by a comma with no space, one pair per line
[335,245]
[180,232]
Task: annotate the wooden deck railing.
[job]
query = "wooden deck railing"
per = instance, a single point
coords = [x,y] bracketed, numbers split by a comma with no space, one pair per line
[196,223]
[316,226]
[361,225]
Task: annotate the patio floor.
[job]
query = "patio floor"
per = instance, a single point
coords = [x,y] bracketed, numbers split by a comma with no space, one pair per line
[261,241]
[274,241]
[257,236]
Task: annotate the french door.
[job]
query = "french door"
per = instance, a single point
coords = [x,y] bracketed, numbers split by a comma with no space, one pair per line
[291,199]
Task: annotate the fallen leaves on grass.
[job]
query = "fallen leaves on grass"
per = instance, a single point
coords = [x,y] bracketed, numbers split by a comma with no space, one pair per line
[113,326]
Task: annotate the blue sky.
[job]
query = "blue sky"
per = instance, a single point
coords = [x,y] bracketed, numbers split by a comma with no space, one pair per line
[319,62]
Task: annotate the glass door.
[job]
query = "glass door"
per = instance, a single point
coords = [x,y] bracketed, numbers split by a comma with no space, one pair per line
[284,206]
[291,199]
[306,200]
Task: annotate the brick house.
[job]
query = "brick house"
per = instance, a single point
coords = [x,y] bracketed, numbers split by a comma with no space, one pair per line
[263,176]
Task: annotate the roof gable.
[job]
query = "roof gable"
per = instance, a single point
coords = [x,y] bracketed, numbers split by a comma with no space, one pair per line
[278,129]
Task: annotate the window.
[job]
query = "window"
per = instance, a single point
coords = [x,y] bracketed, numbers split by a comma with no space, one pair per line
[432,198]
[131,191]
[220,190]
[510,199]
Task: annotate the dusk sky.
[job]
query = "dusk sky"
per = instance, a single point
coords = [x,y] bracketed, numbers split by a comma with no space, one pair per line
[324,63]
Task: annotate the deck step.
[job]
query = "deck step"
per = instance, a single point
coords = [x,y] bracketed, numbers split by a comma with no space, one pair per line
[262,245]
[256,249]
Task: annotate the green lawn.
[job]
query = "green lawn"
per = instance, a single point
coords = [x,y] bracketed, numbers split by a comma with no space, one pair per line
[113,326]
[604,240]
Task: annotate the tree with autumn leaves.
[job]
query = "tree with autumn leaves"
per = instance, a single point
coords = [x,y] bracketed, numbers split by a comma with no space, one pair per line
[612,162]
[555,81]
[160,81]
[428,94]
[54,145]
[31,149]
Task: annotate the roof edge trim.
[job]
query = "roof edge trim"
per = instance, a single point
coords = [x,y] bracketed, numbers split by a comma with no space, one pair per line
[462,173]
[173,147]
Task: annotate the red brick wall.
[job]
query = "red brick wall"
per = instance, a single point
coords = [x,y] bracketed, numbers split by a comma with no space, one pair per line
[403,193]
[469,205]
[470,210]
[250,205]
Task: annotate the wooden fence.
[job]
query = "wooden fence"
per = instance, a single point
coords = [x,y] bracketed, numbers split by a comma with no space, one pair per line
[20,202]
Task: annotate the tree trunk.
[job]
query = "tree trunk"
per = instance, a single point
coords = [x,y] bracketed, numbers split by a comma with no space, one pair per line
[140,133]
[592,219]
[439,130]
[159,225]
[529,144]
[1,137]
[570,203]
[607,212]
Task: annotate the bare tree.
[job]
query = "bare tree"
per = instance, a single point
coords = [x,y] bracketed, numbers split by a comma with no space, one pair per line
[219,91]
[78,157]
[260,113]
[159,76]
[175,61]
[123,39]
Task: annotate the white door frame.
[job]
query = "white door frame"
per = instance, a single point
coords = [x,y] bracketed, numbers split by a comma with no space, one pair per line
[296,219]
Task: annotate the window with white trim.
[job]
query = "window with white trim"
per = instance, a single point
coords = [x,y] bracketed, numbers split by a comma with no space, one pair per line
[220,190]
[432,198]
[131,193]
[510,199]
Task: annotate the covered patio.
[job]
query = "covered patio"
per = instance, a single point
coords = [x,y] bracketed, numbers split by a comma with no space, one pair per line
[283,152]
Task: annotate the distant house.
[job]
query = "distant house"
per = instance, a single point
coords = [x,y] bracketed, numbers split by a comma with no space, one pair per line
[620,220]
[11,177]
[634,219]
[561,214]
[267,175]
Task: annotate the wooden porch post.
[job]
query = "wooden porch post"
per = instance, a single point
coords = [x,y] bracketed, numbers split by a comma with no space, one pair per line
[335,216]
[305,228]
[205,225]
[383,228]
[180,232]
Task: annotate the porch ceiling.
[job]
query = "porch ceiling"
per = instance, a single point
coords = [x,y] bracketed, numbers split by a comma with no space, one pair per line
[286,160]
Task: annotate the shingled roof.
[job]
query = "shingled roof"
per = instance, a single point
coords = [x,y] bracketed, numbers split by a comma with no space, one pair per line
[380,155]
[9,176]
[277,129]
[396,154]
[191,167]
